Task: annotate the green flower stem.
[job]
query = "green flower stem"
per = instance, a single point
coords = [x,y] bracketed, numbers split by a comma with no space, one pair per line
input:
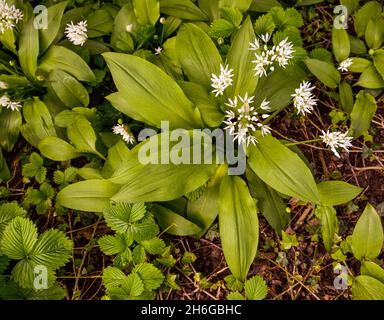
[302,142]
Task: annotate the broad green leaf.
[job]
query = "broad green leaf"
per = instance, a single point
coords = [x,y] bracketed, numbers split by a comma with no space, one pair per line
[39,124]
[174,223]
[359,64]
[282,169]
[324,71]
[371,79]
[151,93]
[89,195]
[154,165]
[198,54]
[242,5]
[125,17]
[116,155]
[367,288]
[263,5]
[54,15]
[14,81]
[221,28]
[83,137]
[378,61]
[10,123]
[329,224]
[362,113]
[239,59]
[255,288]
[367,237]
[58,57]
[346,97]
[269,202]
[99,23]
[239,226]
[52,249]
[340,43]
[5,175]
[89,173]
[357,45]
[29,49]
[70,91]
[374,34]
[67,117]
[208,106]
[373,270]
[350,4]
[278,86]
[57,149]
[147,11]
[8,40]
[184,9]
[370,10]
[19,238]
[205,209]
[335,193]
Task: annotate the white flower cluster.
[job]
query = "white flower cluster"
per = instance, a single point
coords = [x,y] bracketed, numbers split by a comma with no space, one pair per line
[9,104]
[223,81]
[303,99]
[120,129]
[266,58]
[243,119]
[9,16]
[345,64]
[336,140]
[77,33]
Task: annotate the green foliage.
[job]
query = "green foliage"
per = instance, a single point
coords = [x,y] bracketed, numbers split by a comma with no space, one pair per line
[35,168]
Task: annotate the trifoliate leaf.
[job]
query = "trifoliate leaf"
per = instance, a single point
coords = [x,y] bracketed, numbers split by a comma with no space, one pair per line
[151,276]
[264,24]
[8,211]
[221,28]
[138,254]
[19,238]
[111,245]
[144,231]
[123,258]
[153,246]
[35,168]
[285,18]
[121,216]
[232,15]
[112,277]
[52,250]
[256,288]
[63,178]
[235,296]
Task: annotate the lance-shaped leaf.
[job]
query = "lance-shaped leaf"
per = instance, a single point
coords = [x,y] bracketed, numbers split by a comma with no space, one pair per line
[269,202]
[89,195]
[371,9]
[83,137]
[374,34]
[367,237]
[335,193]
[371,79]
[378,60]
[54,14]
[367,288]
[242,5]
[239,226]
[369,268]
[29,49]
[39,124]
[58,57]
[324,71]
[147,11]
[57,149]
[282,169]
[329,225]
[10,123]
[198,54]
[184,9]
[70,91]
[158,163]
[362,113]
[151,93]
[240,59]
[341,44]
[174,223]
